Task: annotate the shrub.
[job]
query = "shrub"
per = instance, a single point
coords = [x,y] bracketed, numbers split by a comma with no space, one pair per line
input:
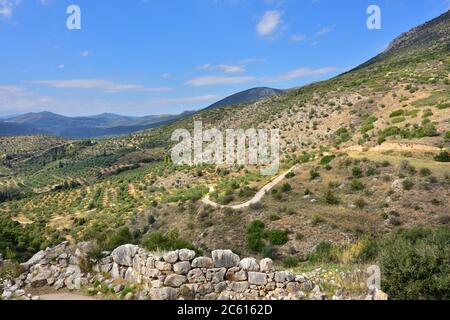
[286,188]
[371,172]
[254,236]
[447,136]
[361,203]
[269,252]
[398,120]
[290,175]
[397,113]
[356,185]
[274,217]
[444,156]
[277,237]
[112,240]
[357,172]
[362,251]
[407,184]
[330,198]
[325,252]
[326,160]
[416,264]
[290,262]
[425,172]
[170,241]
[314,175]
[151,219]
[318,219]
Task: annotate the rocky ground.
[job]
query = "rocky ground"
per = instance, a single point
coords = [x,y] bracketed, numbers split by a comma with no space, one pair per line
[131,273]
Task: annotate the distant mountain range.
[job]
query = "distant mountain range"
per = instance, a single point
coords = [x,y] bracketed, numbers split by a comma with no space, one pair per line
[109,124]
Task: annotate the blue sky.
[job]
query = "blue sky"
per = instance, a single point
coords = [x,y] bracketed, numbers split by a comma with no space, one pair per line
[141,57]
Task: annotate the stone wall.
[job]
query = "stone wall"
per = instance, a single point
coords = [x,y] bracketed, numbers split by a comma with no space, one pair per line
[172,275]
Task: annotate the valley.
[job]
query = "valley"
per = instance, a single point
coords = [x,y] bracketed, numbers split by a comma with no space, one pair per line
[365,168]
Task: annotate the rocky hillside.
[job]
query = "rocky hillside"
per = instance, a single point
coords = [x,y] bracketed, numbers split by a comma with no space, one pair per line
[247,96]
[370,161]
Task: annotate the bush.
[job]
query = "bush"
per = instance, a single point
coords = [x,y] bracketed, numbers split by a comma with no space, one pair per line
[447,136]
[314,175]
[416,264]
[357,172]
[425,172]
[290,175]
[330,198]
[286,188]
[274,217]
[157,241]
[269,252]
[290,262]
[326,160]
[397,113]
[361,203]
[325,252]
[362,251]
[356,185]
[444,156]
[111,240]
[407,185]
[254,236]
[277,237]
[318,219]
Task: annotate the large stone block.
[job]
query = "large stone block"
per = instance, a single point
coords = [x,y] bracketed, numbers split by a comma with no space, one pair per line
[175,280]
[257,278]
[249,264]
[225,259]
[186,255]
[202,262]
[124,255]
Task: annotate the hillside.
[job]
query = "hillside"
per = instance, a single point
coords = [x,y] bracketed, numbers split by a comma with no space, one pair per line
[247,96]
[368,152]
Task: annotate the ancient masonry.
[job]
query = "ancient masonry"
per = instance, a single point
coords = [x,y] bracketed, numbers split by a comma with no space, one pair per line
[173,275]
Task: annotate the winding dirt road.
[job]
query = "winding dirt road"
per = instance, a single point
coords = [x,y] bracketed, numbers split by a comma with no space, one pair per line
[257,198]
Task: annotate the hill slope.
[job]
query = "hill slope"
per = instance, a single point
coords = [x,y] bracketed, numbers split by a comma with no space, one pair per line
[251,95]
[365,146]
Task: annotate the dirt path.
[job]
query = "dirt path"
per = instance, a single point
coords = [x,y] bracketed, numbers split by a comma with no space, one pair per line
[399,146]
[257,198]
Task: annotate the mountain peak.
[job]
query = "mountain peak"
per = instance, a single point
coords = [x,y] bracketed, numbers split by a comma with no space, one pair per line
[432,33]
[247,96]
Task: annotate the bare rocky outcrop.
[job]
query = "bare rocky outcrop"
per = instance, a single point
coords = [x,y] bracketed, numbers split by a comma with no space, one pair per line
[172,275]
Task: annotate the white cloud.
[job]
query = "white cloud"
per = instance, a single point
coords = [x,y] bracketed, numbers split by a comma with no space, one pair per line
[226,68]
[211,81]
[86,53]
[100,84]
[301,73]
[251,60]
[297,38]
[324,31]
[7,7]
[269,23]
